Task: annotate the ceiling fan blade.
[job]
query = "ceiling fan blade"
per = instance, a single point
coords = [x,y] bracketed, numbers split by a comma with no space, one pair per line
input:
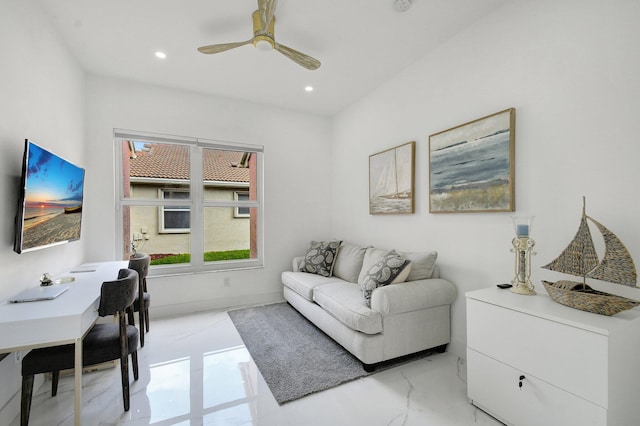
[217,48]
[300,58]
[266,8]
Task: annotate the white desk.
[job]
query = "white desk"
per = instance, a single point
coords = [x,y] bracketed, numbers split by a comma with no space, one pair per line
[63,320]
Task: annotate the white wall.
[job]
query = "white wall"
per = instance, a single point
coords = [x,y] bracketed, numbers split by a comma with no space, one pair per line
[570,69]
[297,166]
[42,90]
[41,98]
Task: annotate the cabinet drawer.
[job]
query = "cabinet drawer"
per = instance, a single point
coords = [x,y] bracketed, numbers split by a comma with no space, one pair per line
[493,387]
[571,358]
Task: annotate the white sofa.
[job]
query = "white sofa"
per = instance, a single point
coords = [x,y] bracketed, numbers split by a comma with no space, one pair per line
[403,318]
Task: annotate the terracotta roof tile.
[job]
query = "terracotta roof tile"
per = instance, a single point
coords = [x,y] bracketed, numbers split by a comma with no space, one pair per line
[167,161]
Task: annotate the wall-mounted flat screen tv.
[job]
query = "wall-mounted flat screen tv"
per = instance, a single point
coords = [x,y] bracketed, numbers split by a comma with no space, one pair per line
[50,203]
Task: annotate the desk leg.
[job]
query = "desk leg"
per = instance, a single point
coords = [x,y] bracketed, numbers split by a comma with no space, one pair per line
[78,382]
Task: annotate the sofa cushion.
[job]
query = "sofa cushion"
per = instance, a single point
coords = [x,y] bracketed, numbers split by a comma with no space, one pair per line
[343,300]
[382,273]
[304,283]
[402,276]
[371,257]
[320,257]
[422,264]
[348,262]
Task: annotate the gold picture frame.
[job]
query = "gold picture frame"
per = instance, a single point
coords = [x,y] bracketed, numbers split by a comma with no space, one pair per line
[472,166]
[391,180]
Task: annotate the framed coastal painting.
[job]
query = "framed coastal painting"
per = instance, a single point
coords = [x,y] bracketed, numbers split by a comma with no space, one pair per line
[472,166]
[391,180]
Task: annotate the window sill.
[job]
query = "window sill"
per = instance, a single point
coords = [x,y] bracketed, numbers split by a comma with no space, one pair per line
[188,269]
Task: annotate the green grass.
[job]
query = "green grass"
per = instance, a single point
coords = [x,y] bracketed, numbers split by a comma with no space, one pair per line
[211,256]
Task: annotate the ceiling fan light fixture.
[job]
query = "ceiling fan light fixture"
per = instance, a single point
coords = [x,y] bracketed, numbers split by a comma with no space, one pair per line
[263,43]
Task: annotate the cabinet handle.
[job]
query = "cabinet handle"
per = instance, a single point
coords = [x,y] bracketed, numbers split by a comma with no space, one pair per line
[520,382]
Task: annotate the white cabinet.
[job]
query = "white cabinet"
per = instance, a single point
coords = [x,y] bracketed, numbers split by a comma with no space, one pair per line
[576,368]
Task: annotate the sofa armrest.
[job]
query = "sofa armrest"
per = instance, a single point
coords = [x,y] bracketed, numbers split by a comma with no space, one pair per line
[412,296]
[295,263]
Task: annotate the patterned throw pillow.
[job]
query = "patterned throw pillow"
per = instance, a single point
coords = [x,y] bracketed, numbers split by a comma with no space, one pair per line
[320,257]
[382,273]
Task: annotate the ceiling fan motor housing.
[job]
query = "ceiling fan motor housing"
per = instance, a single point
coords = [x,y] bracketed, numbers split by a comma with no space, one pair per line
[260,35]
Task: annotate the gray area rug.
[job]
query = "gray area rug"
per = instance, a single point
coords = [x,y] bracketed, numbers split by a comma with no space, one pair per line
[295,358]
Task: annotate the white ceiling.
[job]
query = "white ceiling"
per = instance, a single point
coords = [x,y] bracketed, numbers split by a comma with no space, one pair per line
[361,44]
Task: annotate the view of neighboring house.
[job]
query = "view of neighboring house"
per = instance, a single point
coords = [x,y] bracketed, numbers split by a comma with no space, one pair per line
[162,172]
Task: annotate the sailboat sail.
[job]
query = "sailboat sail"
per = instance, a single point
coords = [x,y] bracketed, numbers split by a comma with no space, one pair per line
[580,256]
[387,184]
[395,179]
[617,265]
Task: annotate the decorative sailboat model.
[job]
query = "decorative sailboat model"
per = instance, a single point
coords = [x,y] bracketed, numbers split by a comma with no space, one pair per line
[580,259]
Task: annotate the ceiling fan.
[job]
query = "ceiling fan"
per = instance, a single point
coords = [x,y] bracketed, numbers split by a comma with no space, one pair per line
[263,34]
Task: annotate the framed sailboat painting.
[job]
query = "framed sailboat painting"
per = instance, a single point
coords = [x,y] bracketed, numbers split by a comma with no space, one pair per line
[391,180]
[472,166]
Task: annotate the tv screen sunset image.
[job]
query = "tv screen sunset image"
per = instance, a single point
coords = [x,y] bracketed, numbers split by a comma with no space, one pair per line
[52,201]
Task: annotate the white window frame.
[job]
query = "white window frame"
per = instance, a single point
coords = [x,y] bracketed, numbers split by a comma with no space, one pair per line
[236,212]
[162,229]
[196,202]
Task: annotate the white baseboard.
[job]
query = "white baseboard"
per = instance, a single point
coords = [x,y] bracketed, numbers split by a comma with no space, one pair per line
[166,311]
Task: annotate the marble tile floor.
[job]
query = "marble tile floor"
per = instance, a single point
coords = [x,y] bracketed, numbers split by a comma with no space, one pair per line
[194,370]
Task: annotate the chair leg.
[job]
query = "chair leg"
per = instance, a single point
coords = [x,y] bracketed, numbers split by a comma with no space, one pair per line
[141,320]
[134,362]
[55,377]
[124,361]
[25,403]
[130,316]
[146,318]
[124,373]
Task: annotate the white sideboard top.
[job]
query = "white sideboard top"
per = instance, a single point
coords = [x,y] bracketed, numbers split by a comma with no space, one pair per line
[541,305]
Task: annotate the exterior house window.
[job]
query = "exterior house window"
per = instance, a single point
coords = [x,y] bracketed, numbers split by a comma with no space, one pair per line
[242,211]
[193,205]
[174,218]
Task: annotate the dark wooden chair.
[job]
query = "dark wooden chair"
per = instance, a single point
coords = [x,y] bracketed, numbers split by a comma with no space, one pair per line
[103,343]
[139,262]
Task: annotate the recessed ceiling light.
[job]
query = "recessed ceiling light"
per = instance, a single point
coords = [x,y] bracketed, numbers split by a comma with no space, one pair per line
[161,55]
[402,5]
[308,89]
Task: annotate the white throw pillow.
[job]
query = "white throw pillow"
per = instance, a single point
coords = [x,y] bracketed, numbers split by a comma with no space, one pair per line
[422,264]
[348,262]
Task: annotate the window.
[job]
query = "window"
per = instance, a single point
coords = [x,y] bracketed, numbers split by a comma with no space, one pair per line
[191,204]
[174,218]
[242,211]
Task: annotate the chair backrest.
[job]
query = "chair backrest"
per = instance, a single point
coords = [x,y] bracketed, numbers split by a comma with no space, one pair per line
[139,262]
[117,295]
